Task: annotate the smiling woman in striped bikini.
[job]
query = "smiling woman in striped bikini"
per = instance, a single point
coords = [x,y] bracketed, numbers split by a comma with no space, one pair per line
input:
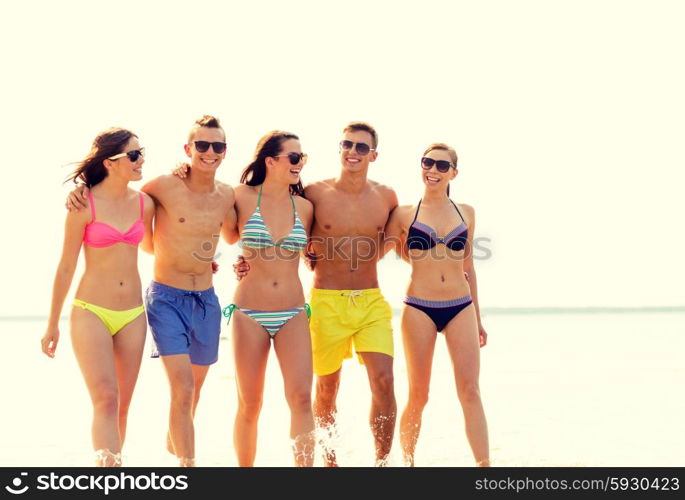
[268,305]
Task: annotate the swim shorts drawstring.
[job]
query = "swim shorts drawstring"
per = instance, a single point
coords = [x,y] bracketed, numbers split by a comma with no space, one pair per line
[352,295]
[198,299]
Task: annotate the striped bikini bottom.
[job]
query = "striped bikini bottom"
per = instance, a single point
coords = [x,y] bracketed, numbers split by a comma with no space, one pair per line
[271,321]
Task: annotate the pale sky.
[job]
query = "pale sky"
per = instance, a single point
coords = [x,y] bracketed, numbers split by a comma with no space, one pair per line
[568,118]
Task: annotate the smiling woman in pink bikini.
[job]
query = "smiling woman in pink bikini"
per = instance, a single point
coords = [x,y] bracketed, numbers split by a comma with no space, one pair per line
[107,318]
[436,238]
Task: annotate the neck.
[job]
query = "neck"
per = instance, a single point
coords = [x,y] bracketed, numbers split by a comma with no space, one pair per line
[113,188]
[353,182]
[275,188]
[435,196]
[200,182]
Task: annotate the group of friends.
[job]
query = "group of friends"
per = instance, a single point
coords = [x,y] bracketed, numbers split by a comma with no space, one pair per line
[341,227]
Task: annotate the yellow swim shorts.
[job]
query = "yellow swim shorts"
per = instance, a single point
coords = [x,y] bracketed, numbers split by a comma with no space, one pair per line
[342,317]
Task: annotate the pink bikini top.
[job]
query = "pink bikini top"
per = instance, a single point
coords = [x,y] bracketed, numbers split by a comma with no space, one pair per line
[98,234]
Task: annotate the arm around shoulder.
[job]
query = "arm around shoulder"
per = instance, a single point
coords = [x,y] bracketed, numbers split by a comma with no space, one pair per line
[305,209]
[389,195]
[393,231]
[229,226]
[148,216]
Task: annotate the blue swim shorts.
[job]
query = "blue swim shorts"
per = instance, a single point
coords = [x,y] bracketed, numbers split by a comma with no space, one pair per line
[184,322]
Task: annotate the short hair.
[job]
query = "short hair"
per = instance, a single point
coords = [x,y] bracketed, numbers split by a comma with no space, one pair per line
[208,121]
[363,127]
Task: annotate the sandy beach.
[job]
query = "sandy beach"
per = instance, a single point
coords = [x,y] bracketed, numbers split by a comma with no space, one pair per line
[558,389]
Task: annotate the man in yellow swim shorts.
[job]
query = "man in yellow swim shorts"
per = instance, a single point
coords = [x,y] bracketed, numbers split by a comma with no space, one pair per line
[348,310]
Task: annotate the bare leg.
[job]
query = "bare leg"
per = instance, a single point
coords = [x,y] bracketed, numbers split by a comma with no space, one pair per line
[93,347]
[251,351]
[199,376]
[325,410]
[129,343]
[419,334]
[180,374]
[461,336]
[383,404]
[294,350]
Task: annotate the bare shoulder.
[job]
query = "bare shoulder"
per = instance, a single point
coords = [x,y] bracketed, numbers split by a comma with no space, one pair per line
[159,184]
[403,213]
[243,190]
[316,189]
[79,217]
[385,191]
[148,203]
[468,212]
[226,190]
[303,205]
[465,207]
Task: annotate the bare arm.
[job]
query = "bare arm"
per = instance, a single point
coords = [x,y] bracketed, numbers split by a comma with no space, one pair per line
[471,272]
[393,229]
[311,193]
[306,212]
[148,217]
[73,237]
[393,234]
[229,226]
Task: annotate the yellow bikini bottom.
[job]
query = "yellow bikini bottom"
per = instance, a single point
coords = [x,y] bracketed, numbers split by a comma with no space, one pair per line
[113,320]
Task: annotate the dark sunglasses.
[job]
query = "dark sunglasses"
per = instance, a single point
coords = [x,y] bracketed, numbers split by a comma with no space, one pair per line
[442,165]
[361,147]
[218,147]
[295,158]
[133,155]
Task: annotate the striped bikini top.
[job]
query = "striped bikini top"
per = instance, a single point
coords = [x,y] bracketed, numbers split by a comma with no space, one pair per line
[256,234]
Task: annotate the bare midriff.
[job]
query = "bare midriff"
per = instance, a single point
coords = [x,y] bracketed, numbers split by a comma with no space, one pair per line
[437,274]
[111,278]
[273,282]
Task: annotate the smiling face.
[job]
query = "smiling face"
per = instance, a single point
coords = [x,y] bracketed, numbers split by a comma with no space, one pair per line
[208,161]
[350,159]
[281,167]
[123,167]
[432,178]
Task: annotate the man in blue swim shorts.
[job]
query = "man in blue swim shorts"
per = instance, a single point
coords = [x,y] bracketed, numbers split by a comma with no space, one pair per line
[182,309]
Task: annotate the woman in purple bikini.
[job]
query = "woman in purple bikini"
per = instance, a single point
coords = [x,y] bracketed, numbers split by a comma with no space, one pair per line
[440,299]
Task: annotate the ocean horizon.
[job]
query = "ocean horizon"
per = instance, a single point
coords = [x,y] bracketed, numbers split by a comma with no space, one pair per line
[485,311]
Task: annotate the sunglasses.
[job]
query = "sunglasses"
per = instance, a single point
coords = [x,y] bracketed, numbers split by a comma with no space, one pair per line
[361,147]
[218,147]
[133,155]
[442,165]
[295,158]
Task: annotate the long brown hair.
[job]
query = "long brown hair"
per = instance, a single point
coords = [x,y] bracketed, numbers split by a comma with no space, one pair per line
[269,145]
[91,169]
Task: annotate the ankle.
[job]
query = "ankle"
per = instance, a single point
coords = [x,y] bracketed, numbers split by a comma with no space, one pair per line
[106,458]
